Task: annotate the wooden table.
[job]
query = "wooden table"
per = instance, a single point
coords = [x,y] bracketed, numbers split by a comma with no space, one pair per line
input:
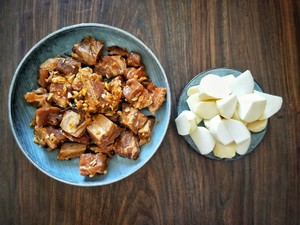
[177,186]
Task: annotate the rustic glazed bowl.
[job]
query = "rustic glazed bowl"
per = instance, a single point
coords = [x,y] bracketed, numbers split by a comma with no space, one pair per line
[21,113]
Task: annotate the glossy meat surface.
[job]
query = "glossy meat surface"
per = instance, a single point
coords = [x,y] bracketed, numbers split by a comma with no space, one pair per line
[89,105]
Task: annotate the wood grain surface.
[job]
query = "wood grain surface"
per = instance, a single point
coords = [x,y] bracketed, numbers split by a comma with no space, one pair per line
[177,186]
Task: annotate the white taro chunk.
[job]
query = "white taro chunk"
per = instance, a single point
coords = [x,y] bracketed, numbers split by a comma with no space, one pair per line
[243,84]
[237,117]
[227,106]
[251,107]
[193,90]
[229,79]
[273,104]
[219,131]
[206,109]
[203,139]
[237,130]
[243,147]
[257,126]
[186,122]
[192,101]
[213,87]
[225,151]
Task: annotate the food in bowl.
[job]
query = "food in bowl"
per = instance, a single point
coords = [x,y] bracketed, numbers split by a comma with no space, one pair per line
[90,105]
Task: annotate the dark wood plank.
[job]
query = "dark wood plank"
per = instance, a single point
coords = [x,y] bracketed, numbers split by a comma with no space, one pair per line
[177,186]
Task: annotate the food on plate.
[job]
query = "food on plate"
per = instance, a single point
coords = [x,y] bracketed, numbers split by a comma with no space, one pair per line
[257,126]
[212,87]
[203,139]
[219,130]
[237,130]
[227,106]
[251,107]
[186,122]
[243,84]
[205,109]
[93,105]
[273,104]
[224,151]
[230,109]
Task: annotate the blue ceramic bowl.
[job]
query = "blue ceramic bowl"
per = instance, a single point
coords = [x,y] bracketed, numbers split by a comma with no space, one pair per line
[21,113]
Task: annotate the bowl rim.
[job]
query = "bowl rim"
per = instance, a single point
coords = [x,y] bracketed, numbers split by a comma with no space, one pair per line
[68,28]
